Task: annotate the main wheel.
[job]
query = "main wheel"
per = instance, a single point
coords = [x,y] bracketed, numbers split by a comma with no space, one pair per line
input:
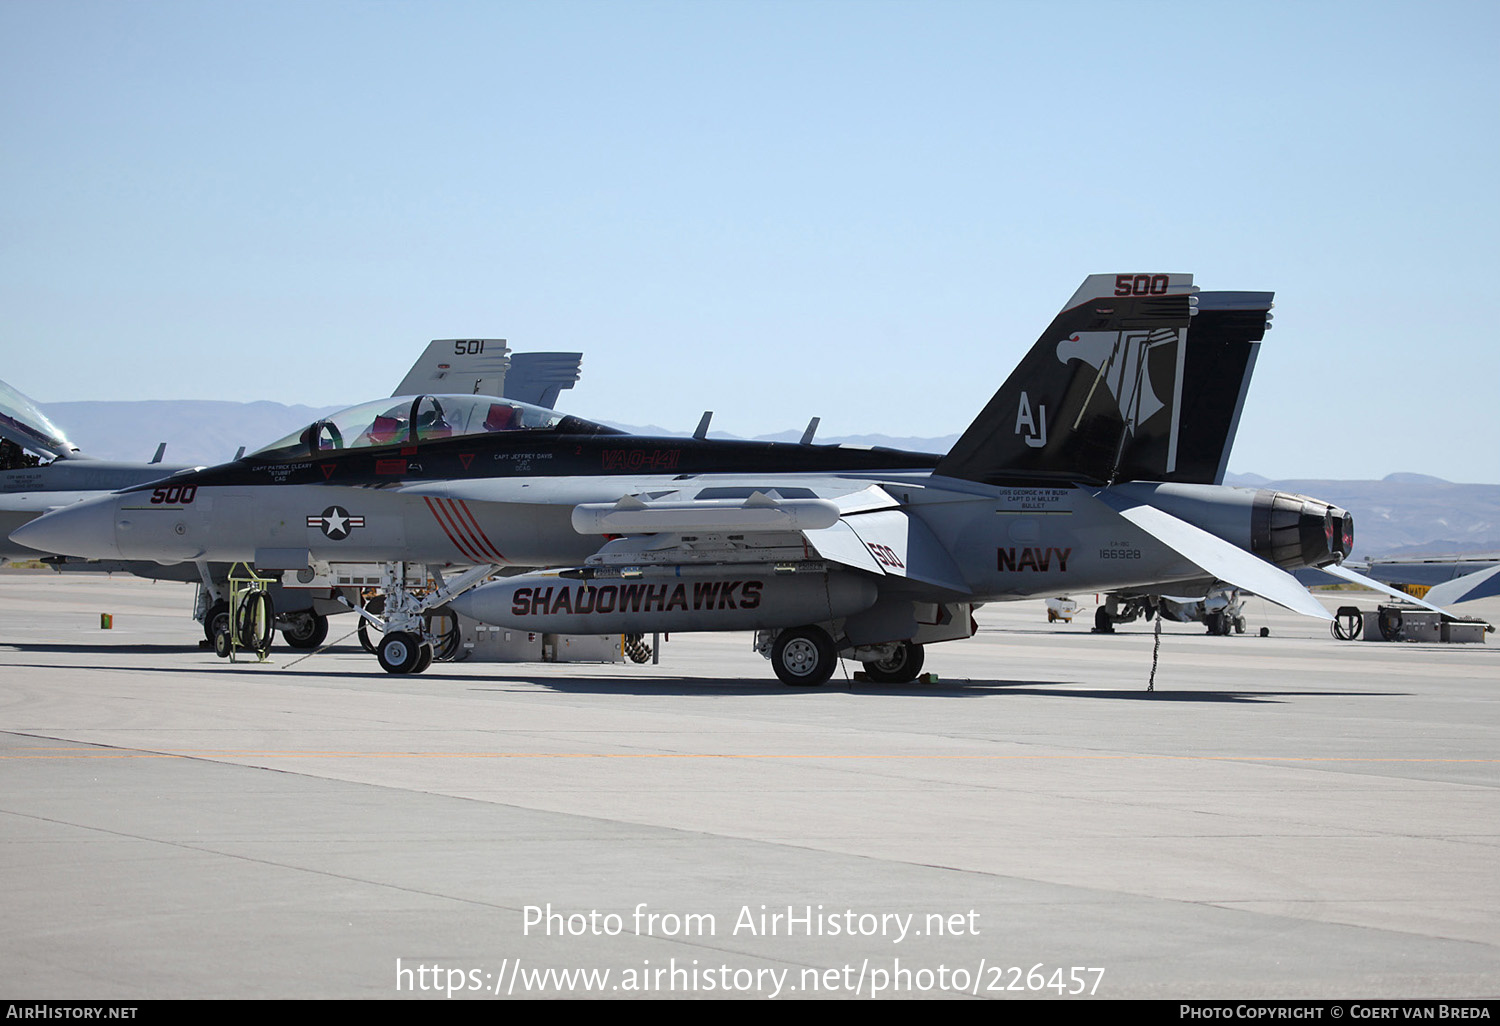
[216,617]
[307,631]
[1102,624]
[804,657]
[400,652]
[903,667]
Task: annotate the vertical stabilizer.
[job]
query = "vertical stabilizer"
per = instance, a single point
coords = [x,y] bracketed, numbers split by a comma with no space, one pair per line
[469,366]
[1223,341]
[1107,373]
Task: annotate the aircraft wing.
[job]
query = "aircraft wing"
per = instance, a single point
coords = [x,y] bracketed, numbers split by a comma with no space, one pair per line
[891,543]
[1228,563]
[851,522]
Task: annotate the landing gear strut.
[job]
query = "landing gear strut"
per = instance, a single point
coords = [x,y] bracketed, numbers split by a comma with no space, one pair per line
[414,630]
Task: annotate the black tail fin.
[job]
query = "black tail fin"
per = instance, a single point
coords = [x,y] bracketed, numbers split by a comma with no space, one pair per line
[1223,341]
[1102,381]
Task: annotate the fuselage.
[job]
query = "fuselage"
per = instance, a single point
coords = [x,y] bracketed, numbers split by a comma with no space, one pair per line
[28,492]
[509,501]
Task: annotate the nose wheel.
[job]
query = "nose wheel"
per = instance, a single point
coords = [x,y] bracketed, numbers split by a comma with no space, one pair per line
[404,652]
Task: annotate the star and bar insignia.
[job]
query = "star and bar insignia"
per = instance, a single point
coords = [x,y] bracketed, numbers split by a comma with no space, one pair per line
[335,522]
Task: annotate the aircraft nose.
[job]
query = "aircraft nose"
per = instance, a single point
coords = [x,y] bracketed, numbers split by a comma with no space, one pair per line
[83,529]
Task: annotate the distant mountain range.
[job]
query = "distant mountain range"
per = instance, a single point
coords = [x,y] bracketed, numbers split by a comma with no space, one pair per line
[1402,514]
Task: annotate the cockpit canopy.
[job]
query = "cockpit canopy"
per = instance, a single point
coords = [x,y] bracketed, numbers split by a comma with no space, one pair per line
[407,420]
[24,425]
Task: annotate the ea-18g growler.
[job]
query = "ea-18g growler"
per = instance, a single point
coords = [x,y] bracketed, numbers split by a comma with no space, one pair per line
[1077,476]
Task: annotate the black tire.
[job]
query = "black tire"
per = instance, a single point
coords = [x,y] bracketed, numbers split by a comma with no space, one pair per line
[222,641]
[1102,624]
[376,605]
[903,667]
[254,622]
[400,652]
[217,616]
[311,630]
[804,657]
[424,659]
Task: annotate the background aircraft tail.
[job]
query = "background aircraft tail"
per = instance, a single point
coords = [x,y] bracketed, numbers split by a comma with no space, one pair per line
[1140,377]
[486,366]
[537,378]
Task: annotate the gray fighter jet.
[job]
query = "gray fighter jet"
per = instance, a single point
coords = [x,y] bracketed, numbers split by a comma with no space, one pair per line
[1079,475]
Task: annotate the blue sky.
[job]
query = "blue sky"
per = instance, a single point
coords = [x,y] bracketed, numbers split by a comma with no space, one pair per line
[864,211]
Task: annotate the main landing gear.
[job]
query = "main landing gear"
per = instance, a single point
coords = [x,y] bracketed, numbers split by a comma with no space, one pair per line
[305,629]
[805,657]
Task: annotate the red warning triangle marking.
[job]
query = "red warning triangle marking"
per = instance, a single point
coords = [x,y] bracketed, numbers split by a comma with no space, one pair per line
[466,458]
[327,469]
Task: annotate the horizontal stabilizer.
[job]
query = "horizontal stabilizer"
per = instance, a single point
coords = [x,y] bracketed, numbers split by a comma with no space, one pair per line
[1478,585]
[1229,563]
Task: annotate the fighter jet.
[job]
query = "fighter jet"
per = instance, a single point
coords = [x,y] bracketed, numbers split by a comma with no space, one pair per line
[1066,481]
